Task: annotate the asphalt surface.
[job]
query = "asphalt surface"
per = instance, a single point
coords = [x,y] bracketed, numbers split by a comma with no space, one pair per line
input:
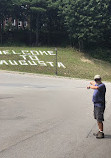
[48,117]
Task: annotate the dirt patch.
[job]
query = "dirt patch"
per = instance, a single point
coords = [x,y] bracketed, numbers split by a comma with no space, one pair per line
[86,60]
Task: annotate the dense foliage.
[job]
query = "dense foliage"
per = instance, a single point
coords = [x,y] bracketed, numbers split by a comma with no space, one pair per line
[80,23]
[87,21]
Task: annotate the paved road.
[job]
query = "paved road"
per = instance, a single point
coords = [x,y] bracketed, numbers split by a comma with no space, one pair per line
[47,117]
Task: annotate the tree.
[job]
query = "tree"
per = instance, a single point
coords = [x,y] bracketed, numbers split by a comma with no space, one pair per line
[35,9]
[37,12]
[5,12]
[86,21]
[55,22]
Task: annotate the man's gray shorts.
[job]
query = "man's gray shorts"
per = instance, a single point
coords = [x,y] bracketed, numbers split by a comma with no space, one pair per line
[99,113]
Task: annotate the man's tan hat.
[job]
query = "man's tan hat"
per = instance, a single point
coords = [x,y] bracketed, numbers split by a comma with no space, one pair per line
[97,77]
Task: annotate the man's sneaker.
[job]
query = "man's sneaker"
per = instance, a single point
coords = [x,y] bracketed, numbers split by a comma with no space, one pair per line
[96,134]
[100,135]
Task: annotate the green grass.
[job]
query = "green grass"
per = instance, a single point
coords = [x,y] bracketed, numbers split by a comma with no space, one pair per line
[78,64]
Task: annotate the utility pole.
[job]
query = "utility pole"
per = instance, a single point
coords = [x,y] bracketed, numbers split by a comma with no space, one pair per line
[56,62]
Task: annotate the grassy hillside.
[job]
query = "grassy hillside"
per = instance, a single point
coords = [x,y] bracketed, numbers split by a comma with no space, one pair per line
[78,65]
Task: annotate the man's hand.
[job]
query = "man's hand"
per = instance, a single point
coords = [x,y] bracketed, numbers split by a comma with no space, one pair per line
[88,87]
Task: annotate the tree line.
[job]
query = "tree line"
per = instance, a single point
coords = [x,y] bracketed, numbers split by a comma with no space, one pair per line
[55,22]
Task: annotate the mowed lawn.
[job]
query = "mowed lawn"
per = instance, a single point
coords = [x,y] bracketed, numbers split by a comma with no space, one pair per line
[78,64]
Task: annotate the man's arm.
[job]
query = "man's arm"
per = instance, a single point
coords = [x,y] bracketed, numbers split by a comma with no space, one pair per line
[93,85]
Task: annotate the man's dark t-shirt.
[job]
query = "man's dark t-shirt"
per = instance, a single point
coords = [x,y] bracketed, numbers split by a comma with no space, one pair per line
[99,95]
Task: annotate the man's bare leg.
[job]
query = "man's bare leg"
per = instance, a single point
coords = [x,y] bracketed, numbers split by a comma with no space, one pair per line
[100,125]
[100,134]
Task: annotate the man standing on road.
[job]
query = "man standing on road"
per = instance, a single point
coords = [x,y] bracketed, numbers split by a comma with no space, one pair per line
[99,103]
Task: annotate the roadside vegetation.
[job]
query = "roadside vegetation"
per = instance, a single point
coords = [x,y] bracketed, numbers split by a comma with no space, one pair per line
[78,64]
[80,29]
